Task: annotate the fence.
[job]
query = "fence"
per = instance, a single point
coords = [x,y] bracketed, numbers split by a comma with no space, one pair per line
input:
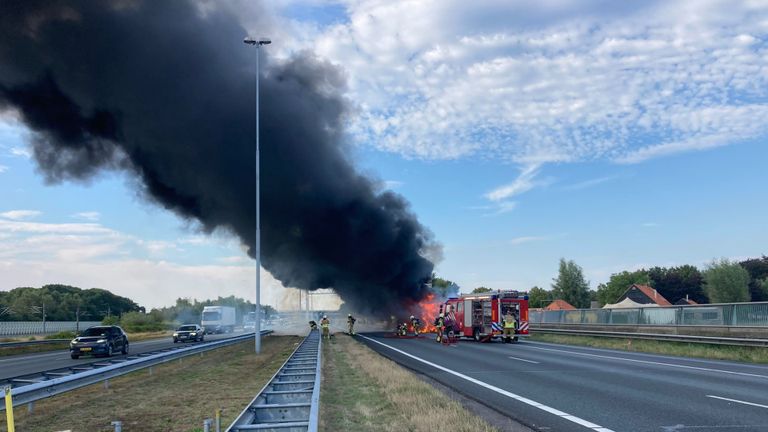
[728,314]
[23,328]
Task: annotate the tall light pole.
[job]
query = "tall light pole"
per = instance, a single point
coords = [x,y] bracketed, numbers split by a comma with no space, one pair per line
[257,44]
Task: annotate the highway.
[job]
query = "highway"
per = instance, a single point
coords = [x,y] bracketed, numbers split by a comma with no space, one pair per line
[14,366]
[567,388]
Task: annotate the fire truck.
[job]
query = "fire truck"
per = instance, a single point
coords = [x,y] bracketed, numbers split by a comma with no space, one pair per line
[479,316]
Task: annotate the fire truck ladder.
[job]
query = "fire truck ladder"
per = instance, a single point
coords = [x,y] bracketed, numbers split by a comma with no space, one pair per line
[290,400]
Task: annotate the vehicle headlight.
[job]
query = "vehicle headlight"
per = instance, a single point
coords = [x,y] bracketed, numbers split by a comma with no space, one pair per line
[101,341]
[175,334]
[73,342]
[193,334]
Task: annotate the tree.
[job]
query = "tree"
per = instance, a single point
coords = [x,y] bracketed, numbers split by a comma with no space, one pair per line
[443,287]
[570,284]
[675,283]
[758,272]
[480,290]
[618,283]
[539,297]
[726,282]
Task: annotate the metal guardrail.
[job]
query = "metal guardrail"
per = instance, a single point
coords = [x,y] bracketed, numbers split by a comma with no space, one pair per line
[30,388]
[753,314]
[290,401]
[668,337]
[34,342]
[26,328]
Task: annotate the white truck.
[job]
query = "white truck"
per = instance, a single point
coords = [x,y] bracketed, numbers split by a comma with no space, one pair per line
[218,319]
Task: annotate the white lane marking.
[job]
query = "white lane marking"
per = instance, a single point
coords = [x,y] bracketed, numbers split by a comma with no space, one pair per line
[655,363]
[737,401]
[511,395]
[518,358]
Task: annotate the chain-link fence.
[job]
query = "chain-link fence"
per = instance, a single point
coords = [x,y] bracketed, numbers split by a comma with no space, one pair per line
[23,328]
[729,314]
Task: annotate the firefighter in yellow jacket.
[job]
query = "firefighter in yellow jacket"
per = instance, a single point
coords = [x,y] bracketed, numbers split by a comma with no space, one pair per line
[510,325]
[351,324]
[325,324]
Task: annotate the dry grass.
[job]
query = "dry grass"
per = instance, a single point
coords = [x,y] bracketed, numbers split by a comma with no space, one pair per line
[363,391]
[683,349]
[177,397]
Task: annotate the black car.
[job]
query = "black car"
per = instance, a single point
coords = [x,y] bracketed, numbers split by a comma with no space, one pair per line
[100,340]
[189,332]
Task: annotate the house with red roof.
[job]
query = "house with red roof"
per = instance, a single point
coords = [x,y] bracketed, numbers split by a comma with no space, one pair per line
[644,295]
[559,305]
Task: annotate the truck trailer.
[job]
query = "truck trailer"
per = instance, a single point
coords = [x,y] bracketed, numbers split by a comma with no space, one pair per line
[218,319]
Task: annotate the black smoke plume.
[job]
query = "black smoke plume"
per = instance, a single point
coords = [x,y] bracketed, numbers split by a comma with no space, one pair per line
[166,90]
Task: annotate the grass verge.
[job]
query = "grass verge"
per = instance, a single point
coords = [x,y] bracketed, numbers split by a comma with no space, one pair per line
[683,349]
[363,391]
[177,396]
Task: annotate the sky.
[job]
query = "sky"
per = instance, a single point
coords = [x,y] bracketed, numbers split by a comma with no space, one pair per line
[616,135]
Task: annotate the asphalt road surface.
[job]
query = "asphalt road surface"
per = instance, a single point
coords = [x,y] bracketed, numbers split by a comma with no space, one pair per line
[553,387]
[14,366]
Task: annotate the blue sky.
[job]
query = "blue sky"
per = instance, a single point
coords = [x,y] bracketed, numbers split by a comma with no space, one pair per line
[617,138]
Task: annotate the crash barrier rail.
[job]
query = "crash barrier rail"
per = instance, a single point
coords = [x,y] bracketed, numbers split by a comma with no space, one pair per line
[666,337]
[291,399]
[33,342]
[30,388]
[725,314]
[24,328]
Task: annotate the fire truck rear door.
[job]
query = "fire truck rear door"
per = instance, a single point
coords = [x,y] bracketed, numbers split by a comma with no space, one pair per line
[468,313]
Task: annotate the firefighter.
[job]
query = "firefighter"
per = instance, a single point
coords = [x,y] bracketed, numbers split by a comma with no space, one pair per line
[351,324]
[440,326]
[326,325]
[416,324]
[510,325]
[313,325]
[402,329]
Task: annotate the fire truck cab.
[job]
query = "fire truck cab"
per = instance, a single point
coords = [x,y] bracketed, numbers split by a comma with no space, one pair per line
[479,316]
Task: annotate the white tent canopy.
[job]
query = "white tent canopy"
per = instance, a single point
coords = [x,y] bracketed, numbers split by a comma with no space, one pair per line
[628,303]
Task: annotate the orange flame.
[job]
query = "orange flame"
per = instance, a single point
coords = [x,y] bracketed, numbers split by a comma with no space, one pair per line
[427,310]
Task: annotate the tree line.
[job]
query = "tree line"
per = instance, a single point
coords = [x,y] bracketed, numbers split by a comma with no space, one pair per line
[62,303]
[721,281]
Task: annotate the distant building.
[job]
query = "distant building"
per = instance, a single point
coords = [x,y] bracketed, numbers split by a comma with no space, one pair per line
[644,295]
[559,305]
[685,301]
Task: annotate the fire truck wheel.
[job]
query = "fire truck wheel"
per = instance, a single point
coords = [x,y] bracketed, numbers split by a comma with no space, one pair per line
[514,339]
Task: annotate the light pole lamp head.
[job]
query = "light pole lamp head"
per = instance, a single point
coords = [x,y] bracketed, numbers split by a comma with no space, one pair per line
[262,41]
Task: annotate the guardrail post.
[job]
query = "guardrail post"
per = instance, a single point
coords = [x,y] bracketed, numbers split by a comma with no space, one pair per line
[218,420]
[106,384]
[30,407]
[207,425]
[150,371]
[118,425]
[9,408]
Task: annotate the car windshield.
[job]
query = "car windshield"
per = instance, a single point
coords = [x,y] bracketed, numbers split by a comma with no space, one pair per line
[187,328]
[96,331]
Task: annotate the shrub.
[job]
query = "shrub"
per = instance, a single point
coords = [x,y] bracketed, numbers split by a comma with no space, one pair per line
[136,322]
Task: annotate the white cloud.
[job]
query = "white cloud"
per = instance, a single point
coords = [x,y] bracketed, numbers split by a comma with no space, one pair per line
[554,81]
[526,239]
[89,216]
[20,214]
[3,169]
[393,184]
[586,184]
[21,152]
[523,183]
